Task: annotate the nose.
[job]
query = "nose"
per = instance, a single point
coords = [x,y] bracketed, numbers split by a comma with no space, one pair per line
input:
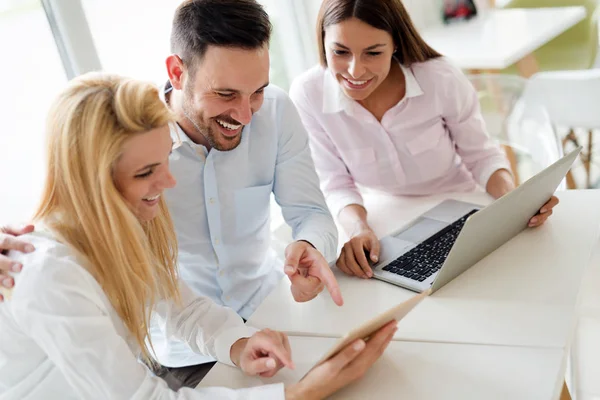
[356,68]
[243,112]
[169,180]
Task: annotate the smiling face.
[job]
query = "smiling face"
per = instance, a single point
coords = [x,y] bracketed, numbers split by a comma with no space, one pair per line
[359,56]
[141,173]
[226,89]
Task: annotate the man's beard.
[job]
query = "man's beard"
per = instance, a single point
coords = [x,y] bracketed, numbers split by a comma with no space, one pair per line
[207,131]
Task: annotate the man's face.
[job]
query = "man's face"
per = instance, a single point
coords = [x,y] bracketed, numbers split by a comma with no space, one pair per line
[223,93]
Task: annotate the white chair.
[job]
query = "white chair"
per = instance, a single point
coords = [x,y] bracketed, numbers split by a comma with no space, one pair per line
[524,130]
[572,100]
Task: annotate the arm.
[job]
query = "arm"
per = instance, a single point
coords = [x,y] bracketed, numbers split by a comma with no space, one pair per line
[343,197]
[479,153]
[219,332]
[208,328]
[296,188]
[70,323]
[500,183]
[353,219]
[336,181]
[482,157]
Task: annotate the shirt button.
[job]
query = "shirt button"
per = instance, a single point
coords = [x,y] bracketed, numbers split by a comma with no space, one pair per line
[211,200]
[217,241]
[221,273]
[227,298]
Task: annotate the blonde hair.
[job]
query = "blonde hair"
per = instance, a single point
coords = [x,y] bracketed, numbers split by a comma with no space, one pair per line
[134,262]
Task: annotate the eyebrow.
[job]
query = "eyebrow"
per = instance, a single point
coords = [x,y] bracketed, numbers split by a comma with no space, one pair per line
[237,91]
[367,49]
[154,164]
[147,167]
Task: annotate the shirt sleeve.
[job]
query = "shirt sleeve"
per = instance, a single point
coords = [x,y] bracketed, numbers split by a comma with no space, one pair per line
[296,185]
[208,328]
[60,309]
[462,115]
[337,183]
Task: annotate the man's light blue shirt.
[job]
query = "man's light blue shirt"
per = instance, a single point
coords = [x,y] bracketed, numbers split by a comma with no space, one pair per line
[221,210]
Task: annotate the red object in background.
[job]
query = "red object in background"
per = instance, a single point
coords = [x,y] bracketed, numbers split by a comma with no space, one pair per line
[462,12]
[458,10]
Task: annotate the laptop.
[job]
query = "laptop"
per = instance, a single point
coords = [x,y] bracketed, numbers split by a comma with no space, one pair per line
[450,238]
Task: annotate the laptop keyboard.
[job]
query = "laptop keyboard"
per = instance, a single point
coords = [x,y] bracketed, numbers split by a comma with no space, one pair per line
[427,258]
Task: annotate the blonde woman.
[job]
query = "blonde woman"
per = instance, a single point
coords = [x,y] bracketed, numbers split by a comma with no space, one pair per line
[76,323]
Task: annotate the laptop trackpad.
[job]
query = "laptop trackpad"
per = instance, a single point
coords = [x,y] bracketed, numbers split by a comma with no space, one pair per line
[421,230]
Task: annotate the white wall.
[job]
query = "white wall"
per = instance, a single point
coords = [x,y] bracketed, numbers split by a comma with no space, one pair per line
[423,12]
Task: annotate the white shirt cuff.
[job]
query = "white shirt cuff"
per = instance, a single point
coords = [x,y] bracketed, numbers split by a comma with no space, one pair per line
[338,201]
[488,171]
[227,338]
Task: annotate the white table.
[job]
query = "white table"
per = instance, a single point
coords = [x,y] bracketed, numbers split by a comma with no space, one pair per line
[523,294]
[502,37]
[509,316]
[415,371]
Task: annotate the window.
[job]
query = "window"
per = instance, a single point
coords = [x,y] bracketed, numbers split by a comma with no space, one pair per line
[293,46]
[132,36]
[32,74]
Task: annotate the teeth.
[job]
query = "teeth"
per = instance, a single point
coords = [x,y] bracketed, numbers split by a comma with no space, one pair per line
[231,127]
[152,198]
[357,83]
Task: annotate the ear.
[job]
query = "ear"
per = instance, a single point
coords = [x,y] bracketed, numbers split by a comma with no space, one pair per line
[175,70]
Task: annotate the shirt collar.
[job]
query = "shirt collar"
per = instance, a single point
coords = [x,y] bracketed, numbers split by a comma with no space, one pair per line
[177,134]
[334,99]
[413,89]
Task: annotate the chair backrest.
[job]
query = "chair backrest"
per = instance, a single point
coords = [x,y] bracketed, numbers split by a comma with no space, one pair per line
[571,98]
[524,130]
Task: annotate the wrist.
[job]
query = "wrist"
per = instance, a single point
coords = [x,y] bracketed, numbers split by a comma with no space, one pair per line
[297,244]
[500,183]
[307,242]
[295,392]
[236,351]
[290,393]
[359,228]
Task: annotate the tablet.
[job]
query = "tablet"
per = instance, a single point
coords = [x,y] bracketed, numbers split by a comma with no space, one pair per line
[373,325]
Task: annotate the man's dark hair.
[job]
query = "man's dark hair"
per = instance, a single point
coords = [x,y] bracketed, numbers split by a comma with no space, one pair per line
[198,24]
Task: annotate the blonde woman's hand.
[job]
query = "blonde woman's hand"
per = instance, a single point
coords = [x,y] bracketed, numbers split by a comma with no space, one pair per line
[8,241]
[344,368]
[263,354]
